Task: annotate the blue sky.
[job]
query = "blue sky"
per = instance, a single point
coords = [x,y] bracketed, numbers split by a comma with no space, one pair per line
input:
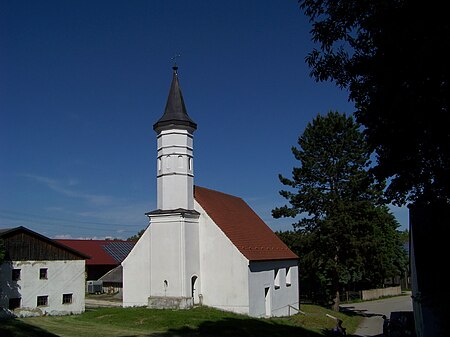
[83,82]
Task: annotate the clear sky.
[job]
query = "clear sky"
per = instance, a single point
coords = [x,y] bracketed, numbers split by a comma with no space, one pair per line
[82,82]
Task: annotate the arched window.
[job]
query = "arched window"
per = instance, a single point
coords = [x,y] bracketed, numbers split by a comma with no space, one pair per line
[168,162]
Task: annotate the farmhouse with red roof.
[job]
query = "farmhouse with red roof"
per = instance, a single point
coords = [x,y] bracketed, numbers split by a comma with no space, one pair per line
[203,246]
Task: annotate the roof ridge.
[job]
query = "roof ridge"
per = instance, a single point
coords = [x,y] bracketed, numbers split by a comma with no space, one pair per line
[216,191]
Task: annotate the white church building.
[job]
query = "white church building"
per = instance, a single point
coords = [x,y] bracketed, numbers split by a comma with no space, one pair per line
[203,246]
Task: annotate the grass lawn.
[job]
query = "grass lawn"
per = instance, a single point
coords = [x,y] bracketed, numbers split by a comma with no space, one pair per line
[201,321]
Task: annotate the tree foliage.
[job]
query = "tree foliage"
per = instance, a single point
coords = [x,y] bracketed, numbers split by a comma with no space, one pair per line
[136,236]
[2,251]
[348,236]
[392,57]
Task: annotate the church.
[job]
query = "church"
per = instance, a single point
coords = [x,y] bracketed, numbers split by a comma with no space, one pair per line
[204,247]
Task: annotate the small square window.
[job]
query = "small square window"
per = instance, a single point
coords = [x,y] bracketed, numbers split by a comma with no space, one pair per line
[15,276]
[67,299]
[43,273]
[42,301]
[14,303]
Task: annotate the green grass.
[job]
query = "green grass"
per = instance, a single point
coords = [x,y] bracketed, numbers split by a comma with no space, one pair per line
[200,321]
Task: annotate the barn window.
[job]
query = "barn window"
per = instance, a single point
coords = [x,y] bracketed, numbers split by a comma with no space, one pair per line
[42,301]
[15,275]
[288,277]
[14,303]
[43,273]
[67,299]
[276,281]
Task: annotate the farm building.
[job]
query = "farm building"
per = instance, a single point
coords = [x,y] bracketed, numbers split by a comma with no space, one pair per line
[40,276]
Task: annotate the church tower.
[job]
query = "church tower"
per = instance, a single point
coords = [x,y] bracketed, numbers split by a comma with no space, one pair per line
[174,261]
[175,174]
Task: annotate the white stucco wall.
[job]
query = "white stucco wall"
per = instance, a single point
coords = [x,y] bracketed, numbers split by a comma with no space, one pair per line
[163,260]
[223,269]
[175,172]
[63,277]
[192,267]
[136,273]
[275,302]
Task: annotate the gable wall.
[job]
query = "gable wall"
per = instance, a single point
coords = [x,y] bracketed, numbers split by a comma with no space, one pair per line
[136,273]
[25,247]
[276,302]
[224,276]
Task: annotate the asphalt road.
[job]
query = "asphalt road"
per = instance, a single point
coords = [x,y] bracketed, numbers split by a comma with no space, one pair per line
[373,310]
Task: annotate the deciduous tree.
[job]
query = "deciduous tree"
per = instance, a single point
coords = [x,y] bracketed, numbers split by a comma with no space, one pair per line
[392,56]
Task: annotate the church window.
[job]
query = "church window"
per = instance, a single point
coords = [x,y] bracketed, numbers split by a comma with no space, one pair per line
[159,164]
[276,281]
[180,161]
[190,164]
[168,162]
[288,277]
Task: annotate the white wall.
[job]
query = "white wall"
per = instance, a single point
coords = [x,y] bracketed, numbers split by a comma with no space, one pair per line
[224,275]
[136,273]
[261,276]
[163,260]
[63,277]
[175,184]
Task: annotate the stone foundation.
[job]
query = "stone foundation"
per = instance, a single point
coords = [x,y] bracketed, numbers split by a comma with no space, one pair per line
[156,302]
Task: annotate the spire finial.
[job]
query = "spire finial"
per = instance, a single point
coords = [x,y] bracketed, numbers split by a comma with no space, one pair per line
[175,67]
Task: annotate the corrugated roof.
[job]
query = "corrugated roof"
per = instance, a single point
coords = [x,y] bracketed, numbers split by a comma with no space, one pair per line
[110,252]
[246,230]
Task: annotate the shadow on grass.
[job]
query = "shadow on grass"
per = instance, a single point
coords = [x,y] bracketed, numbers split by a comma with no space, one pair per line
[11,327]
[238,328]
[352,311]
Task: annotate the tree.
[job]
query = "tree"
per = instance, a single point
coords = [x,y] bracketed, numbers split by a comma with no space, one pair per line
[136,236]
[392,57]
[2,251]
[340,207]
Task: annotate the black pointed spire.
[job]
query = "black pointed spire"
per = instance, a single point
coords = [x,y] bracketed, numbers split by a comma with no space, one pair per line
[175,113]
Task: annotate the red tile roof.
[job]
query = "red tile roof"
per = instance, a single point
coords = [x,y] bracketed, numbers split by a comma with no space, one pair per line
[109,252]
[246,230]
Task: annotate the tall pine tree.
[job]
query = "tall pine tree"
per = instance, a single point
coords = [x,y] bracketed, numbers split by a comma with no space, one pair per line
[340,207]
